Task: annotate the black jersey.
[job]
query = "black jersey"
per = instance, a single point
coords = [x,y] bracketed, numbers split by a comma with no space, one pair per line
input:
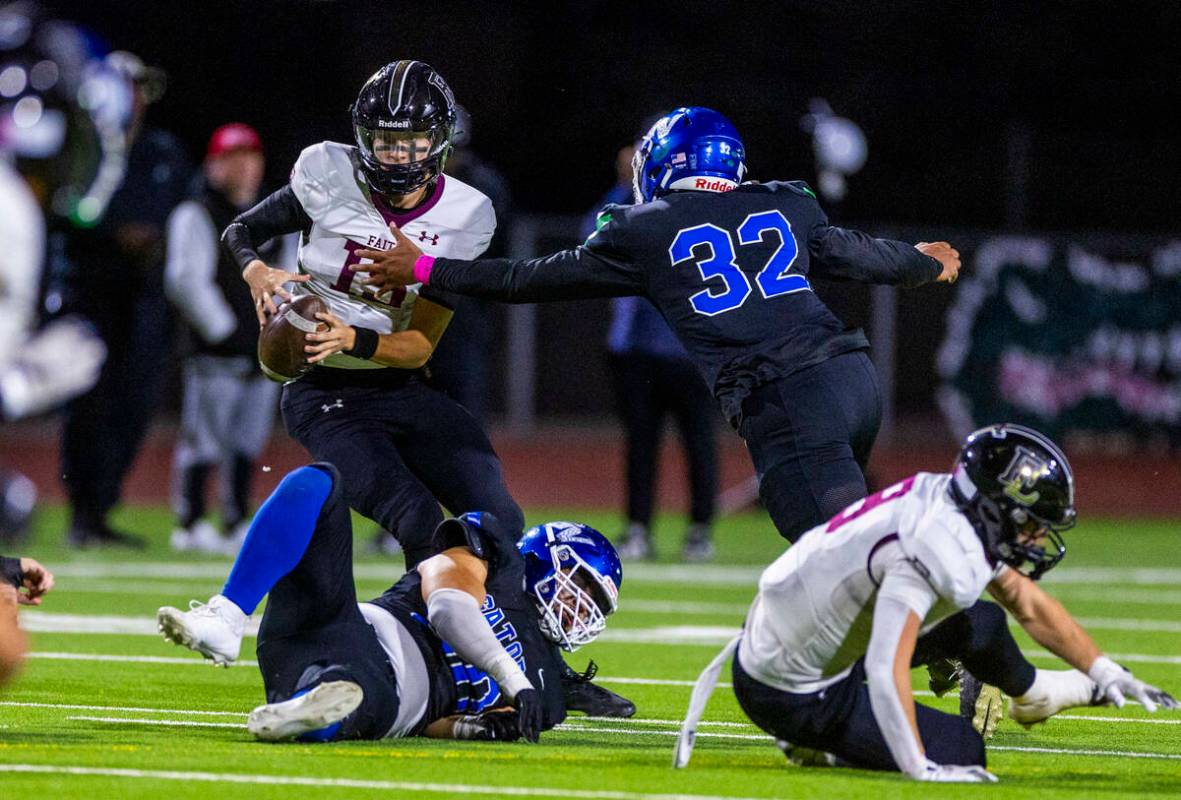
[728,271]
[461,688]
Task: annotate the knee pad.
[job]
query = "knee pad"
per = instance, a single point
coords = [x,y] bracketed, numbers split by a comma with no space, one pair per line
[789,502]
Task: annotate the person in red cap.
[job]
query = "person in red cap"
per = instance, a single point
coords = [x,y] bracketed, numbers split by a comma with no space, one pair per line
[228,405]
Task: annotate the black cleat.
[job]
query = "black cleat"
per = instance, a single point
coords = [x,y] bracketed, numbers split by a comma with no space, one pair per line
[104,536]
[592,699]
[944,675]
[981,705]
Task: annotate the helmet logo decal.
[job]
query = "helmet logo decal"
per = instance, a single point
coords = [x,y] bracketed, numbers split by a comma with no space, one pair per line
[1022,474]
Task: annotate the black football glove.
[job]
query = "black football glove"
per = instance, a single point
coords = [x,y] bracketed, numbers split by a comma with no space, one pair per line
[528,705]
[500,726]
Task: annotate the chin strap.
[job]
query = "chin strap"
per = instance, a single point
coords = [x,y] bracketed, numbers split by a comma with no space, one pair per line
[702,689]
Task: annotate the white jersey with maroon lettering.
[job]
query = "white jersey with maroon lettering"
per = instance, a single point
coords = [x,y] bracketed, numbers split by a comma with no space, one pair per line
[456,221]
[813,615]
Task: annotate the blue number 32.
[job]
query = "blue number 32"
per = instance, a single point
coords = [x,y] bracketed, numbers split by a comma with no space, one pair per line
[773,279]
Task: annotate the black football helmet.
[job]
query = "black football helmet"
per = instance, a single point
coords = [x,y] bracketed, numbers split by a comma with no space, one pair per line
[1009,480]
[403,122]
[63,112]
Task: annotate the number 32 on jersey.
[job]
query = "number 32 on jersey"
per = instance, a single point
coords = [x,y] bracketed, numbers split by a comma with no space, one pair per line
[774,279]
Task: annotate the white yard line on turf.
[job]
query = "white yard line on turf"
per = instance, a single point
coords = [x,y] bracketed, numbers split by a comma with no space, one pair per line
[184,723]
[137,625]
[636,573]
[355,783]
[179,723]
[124,709]
[573,720]
[119,659]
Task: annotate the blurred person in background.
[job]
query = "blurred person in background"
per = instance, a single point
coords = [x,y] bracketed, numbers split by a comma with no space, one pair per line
[60,160]
[228,404]
[654,376]
[113,274]
[17,574]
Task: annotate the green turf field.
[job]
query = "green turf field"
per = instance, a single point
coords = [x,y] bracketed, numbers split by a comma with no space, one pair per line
[105,709]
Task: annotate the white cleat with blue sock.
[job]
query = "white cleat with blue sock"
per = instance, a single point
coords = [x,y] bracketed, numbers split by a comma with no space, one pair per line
[213,629]
[323,706]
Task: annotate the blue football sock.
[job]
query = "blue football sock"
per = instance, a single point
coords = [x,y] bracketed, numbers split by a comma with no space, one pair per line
[278,536]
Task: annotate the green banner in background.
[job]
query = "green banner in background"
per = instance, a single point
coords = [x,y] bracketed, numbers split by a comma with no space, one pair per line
[1067,336]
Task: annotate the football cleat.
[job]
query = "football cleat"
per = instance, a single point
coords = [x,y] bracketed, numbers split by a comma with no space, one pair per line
[324,705]
[1054,691]
[944,675]
[213,629]
[590,698]
[698,546]
[980,704]
[636,544]
[200,537]
[807,756]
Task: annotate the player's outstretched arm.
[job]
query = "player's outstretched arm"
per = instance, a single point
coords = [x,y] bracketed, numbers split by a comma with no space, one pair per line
[1051,625]
[845,254]
[453,588]
[591,270]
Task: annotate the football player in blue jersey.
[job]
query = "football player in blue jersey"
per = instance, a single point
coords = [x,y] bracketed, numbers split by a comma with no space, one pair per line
[462,646]
[727,263]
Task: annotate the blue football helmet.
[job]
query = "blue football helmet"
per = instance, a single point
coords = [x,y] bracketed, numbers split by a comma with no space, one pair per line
[574,575]
[689,148]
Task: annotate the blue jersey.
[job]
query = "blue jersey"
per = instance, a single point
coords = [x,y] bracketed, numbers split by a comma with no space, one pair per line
[729,272]
[461,688]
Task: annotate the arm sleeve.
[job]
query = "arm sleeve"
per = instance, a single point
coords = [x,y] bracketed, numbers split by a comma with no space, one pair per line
[601,267]
[190,270]
[10,571]
[843,254]
[902,591]
[456,617]
[276,215]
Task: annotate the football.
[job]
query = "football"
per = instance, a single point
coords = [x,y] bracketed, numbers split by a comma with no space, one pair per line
[281,341]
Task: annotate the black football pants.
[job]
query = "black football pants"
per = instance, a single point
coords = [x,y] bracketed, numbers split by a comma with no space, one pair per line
[312,631]
[809,436]
[401,451]
[840,720]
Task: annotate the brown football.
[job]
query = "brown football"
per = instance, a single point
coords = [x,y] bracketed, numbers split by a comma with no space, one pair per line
[281,341]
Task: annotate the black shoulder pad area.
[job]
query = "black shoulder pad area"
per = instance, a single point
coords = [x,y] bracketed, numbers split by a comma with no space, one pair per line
[475,531]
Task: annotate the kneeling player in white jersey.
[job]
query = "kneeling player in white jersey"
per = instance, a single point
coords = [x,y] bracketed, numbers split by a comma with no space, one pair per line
[402,447]
[894,581]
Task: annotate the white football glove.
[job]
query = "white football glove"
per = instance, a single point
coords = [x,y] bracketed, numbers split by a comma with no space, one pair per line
[59,362]
[1116,684]
[954,773]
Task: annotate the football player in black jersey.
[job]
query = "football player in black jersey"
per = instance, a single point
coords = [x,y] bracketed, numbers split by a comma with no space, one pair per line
[727,263]
[462,646]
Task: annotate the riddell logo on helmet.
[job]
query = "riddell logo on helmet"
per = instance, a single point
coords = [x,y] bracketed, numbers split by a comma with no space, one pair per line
[393,123]
[713,185]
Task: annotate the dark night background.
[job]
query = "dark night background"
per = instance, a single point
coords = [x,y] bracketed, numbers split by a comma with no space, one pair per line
[962,103]
[555,88]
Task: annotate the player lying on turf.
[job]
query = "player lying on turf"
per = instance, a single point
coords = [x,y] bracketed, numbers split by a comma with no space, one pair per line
[894,581]
[449,651]
[17,574]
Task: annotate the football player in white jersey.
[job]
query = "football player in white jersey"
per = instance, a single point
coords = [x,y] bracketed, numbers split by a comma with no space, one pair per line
[894,581]
[402,447]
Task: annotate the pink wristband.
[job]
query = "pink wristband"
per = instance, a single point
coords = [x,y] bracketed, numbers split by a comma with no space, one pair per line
[422,268]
